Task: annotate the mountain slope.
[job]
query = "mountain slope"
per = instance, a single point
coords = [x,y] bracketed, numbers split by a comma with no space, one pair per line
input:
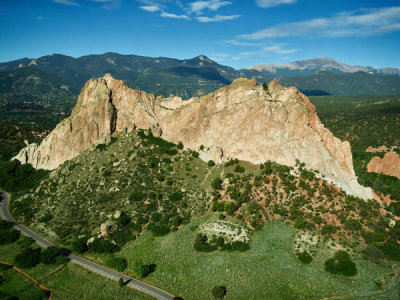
[185,78]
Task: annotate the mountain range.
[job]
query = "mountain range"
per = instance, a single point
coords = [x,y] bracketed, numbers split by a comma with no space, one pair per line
[59,75]
[312,66]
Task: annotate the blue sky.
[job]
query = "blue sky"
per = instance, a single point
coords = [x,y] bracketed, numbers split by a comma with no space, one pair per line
[238,33]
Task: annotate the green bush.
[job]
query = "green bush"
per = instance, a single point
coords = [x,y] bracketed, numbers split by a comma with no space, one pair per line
[141,270]
[15,177]
[211,163]
[239,169]
[121,282]
[9,236]
[176,196]
[102,246]
[79,245]
[49,255]
[4,267]
[305,257]
[158,230]
[25,241]
[218,292]
[28,258]
[236,246]
[216,184]
[341,264]
[136,196]
[116,263]
[180,146]
[328,229]
[373,254]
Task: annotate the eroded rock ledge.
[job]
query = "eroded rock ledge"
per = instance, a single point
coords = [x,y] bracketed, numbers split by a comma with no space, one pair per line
[241,121]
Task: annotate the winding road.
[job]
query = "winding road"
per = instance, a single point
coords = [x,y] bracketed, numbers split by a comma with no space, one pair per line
[87,264]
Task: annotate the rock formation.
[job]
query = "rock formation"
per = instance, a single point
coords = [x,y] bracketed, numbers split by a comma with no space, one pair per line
[388,165]
[241,121]
[382,148]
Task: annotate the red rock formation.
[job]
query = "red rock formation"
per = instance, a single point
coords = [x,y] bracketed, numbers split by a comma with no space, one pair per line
[379,149]
[241,121]
[388,165]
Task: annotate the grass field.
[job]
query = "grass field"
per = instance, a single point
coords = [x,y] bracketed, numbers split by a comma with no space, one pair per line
[65,282]
[269,270]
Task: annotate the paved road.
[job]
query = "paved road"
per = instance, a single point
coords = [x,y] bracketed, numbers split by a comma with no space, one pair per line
[87,264]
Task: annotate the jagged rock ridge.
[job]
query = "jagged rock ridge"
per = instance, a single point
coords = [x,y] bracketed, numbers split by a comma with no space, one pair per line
[241,121]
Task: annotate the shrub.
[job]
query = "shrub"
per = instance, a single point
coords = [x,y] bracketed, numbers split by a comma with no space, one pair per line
[116,263]
[218,292]
[240,246]
[265,86]
[373,254]
[79,245]
[201,244]
[195,154]
[204,247]
[391,250]
[300,223]
[328,229]
[176,196]
[158,230]
[239,169]
[216,184]
[136,196]
[4,267]
[305,257]
[28,258]
[102,246]
[141,270]
[180,146]
[341,264]
[121,282]
[211,163]
[9,236]
[49,255]
[171,152]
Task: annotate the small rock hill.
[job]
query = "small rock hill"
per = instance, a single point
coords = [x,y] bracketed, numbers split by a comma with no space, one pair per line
[388,165]
[242,120]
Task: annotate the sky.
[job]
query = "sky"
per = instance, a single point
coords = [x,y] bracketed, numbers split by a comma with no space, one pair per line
[237,33]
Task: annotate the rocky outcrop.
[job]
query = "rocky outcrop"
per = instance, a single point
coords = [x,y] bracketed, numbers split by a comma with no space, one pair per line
[241,121]
[388,165]
[382,148]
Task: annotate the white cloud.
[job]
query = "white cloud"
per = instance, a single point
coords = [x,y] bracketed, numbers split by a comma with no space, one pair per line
[150,8]
[199,6]
[173,16]
[239,43]
[271,3]
[109,4]
[217,18]
[278,50]
[354,23]
[66,2]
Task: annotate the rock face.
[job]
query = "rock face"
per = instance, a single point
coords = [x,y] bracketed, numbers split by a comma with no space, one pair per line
[388,165]
[241,121]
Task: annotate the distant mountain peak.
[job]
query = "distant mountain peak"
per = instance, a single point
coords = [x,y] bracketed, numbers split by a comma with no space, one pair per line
[311,66]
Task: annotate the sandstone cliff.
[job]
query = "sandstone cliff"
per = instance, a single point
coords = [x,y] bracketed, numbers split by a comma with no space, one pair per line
[241,121]
[388,165]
